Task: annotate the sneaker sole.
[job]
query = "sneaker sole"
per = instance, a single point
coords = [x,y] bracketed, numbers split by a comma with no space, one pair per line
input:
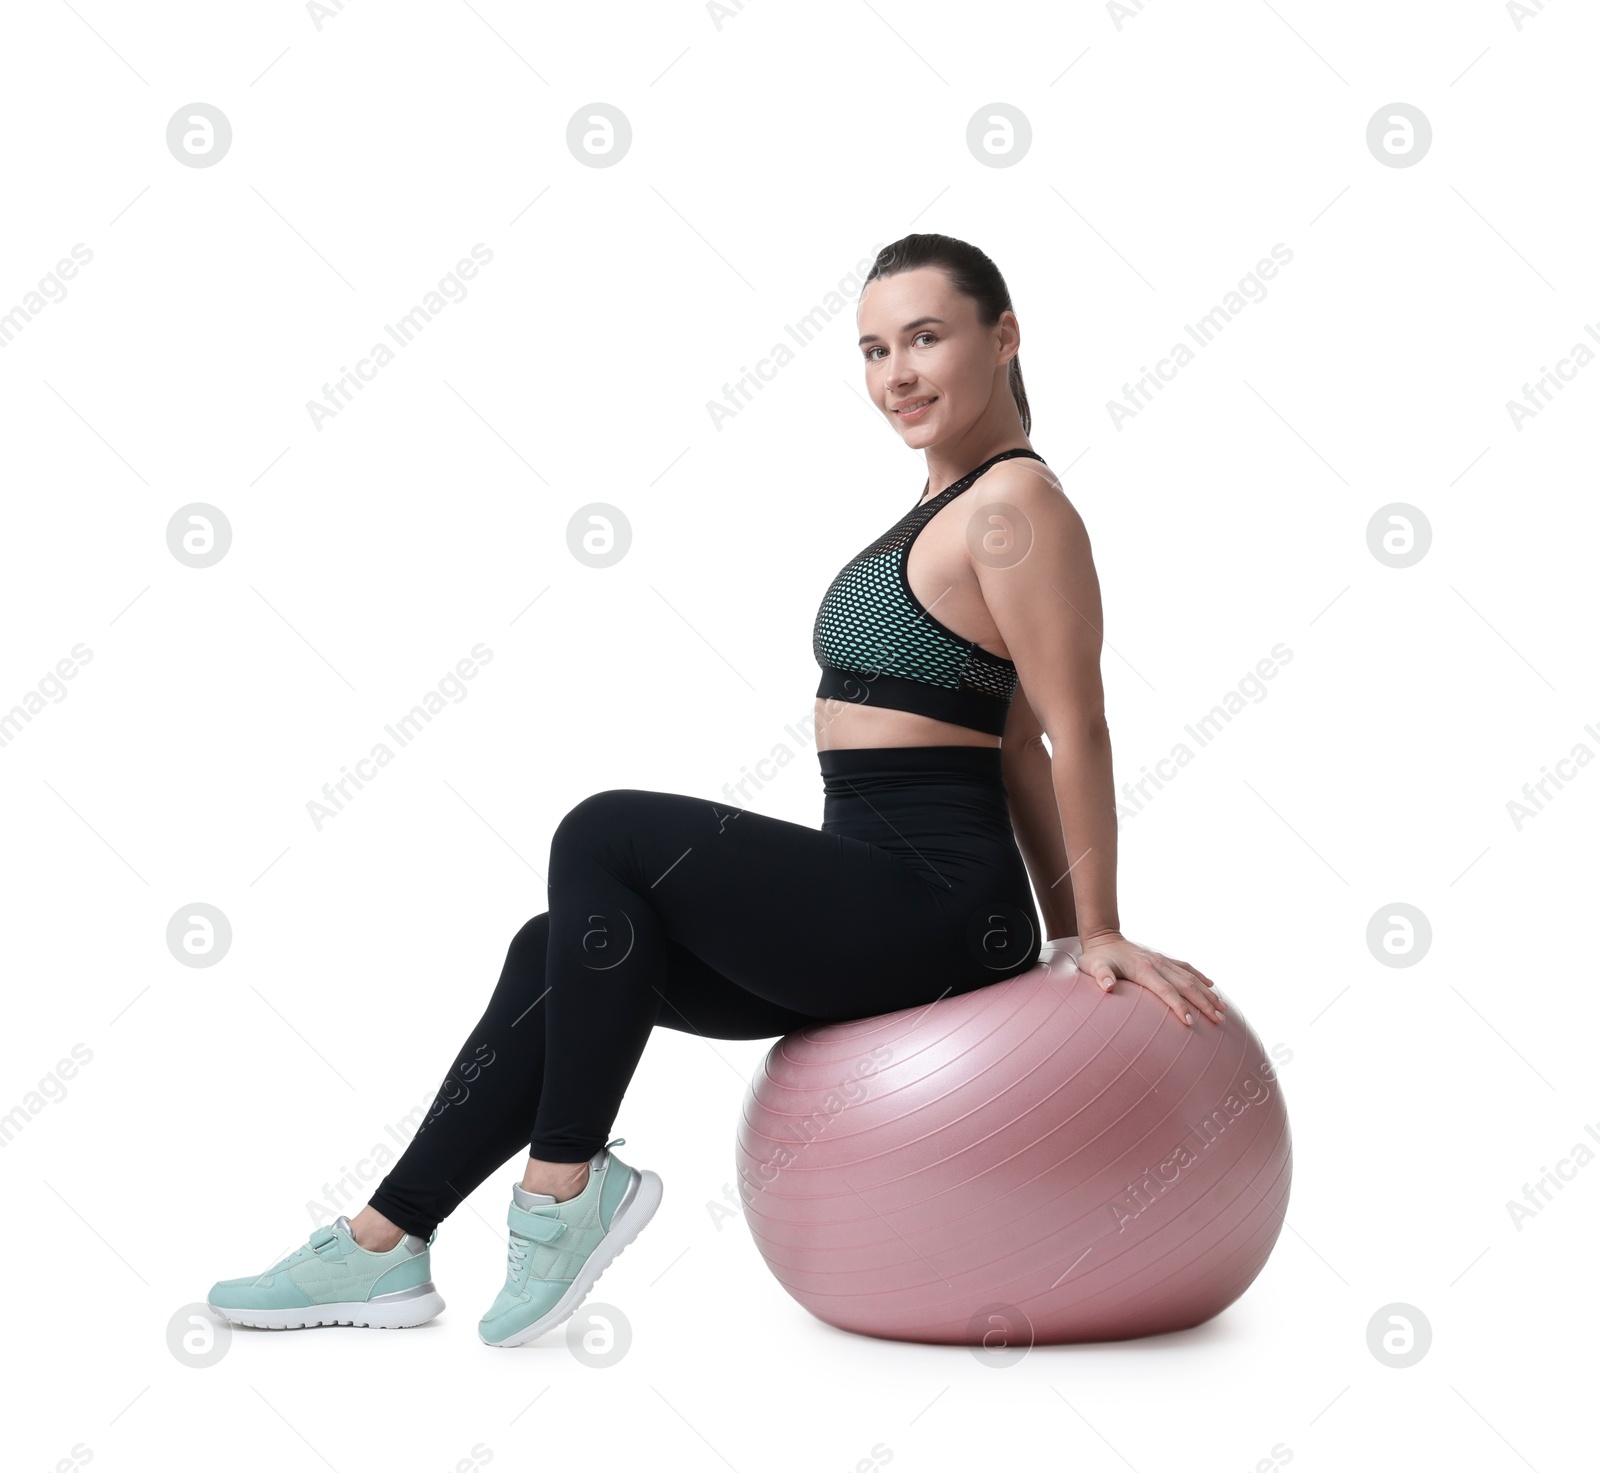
[383,1313]
[625,1226]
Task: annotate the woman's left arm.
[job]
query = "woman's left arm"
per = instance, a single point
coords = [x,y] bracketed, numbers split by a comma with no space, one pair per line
[1035,822]
[1032,558]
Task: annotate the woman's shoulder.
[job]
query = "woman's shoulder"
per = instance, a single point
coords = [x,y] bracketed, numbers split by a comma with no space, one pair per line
[1023,482]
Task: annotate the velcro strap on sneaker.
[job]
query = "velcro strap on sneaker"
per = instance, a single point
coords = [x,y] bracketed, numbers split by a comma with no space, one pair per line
[534,1225]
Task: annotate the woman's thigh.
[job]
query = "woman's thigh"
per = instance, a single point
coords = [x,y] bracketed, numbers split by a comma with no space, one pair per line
[696,998]
[822,924]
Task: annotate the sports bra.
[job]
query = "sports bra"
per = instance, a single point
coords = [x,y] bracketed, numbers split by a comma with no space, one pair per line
[878,646]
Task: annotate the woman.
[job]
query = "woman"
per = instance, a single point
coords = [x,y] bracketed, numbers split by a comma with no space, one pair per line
[940,801]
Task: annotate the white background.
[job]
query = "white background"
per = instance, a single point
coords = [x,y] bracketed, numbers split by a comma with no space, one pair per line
[769,155]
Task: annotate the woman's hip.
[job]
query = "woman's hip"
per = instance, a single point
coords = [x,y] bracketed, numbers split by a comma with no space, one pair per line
[943,813]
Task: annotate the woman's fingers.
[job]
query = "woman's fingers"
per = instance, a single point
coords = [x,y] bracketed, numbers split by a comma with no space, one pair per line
[1199,979]
[1184,994]
[1198,973]
[1151,976]
[1193,988]
[1176,983]
[1186,977]
[1190,967]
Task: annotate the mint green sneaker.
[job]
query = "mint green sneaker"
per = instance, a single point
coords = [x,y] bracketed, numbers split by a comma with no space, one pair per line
[558,1249]
[332,1280]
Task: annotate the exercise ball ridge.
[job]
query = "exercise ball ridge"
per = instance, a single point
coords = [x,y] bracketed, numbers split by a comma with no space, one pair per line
[1079,1163]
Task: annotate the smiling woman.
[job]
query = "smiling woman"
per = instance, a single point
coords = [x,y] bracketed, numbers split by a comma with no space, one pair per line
[1012,655]
[950,647]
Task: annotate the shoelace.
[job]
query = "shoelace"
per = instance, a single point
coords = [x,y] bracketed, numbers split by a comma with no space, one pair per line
[518,1253]
[320,1238]
[519,1249]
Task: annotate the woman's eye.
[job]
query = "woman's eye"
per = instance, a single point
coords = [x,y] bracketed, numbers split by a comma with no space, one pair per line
[925,333]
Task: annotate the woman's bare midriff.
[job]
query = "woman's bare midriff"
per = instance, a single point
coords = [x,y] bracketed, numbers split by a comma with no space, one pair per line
[846,724]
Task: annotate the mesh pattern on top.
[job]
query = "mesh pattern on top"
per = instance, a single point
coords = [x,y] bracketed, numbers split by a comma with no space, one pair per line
[870,621]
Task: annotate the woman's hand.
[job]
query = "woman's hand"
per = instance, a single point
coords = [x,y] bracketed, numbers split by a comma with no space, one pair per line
[1179,985]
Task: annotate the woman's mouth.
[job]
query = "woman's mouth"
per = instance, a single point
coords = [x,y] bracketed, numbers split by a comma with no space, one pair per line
[915,409]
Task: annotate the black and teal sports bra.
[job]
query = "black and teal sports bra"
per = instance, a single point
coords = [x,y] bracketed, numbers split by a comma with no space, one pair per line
[878,646]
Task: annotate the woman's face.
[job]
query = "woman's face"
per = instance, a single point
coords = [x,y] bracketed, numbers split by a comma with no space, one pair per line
[930,365]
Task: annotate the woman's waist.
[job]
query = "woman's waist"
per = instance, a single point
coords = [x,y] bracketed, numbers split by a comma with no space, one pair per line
[949,798]
[857,769]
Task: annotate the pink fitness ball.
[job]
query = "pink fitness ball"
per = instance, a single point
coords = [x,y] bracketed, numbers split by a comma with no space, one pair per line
[1038,1160]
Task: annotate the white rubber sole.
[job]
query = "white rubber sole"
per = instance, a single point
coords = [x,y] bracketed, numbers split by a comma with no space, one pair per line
[402,1312]
[625,1226]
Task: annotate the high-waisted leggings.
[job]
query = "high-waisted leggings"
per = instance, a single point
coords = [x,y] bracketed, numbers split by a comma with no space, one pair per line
[692,914]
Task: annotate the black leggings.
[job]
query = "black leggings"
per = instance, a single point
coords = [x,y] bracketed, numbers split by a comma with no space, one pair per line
[694,915]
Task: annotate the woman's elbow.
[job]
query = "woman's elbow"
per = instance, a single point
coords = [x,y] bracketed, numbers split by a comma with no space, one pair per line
[1021,747]
[1078,728]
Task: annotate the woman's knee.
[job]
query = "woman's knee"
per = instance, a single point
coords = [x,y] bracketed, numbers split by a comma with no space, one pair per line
[532,943]
[595,819]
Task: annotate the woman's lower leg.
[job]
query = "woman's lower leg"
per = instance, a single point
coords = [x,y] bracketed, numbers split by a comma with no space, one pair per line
[483,1112]
[559,1179]
[467,1138]
[373,1231]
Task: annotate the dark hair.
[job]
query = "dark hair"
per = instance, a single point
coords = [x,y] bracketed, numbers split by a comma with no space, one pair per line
[972,274]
